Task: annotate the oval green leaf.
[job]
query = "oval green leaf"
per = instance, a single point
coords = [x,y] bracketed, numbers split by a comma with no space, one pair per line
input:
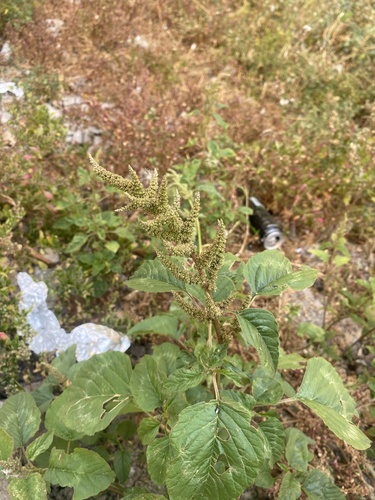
[209,464]
[20,418]
[152,276]
[146,384]
[99,391]
[84,470]
[259,329]
[324,392]
[32,486]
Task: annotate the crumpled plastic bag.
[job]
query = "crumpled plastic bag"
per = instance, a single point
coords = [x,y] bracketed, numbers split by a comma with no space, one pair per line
[11,87]
[89,338]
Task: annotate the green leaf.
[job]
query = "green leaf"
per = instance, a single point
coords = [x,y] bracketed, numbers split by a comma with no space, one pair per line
[77,243]
[148,430]
[228,281]
[311,331]
[197,292]
[64,223]
[210,357]
[39,445]
[108,219]
[65,361]
[55,418]
[224,287]
[259,329]
[318,486]
[264,478]
[340,260]
[262,270]
[124,233]
[266,389]
[166,355]
[213,148]
[198,394]
[30,487]
[146,384]
[6,444]
[323,384]
[230,395]
[323,255]
[162,325]
[304,278]
[152,276]
[184,378]
[122,463]
[157,459]
[20,418]
[270,272]
[227,153]
[274,434]
[112,246]
[234,374]
[126,429]
[84,470]
[175,405]
[291,361]
[216,452]
[324,392]
[100,389]
[290,488]
[220,121]
[296,451]
[339,425]
[43,395]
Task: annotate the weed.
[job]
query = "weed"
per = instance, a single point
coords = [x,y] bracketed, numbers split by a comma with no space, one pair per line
[203,409]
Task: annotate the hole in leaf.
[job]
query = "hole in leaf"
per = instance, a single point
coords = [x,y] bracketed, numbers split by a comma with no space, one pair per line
[222,464]
[223,434]
[108,406]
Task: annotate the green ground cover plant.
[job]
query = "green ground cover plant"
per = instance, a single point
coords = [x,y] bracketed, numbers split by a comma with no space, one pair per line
[209,419]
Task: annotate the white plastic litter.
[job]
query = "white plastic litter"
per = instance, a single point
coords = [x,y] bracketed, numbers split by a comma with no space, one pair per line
[89,338]
[11,87]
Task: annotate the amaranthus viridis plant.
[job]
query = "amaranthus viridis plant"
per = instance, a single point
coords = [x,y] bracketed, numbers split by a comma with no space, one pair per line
[207,417]
[204,285]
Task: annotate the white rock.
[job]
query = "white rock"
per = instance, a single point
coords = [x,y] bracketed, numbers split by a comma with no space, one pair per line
[54,26]
[6,51]
[140,41]
[5,116]
[53,112]
[71,100]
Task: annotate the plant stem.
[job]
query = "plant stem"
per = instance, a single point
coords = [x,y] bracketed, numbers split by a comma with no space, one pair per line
[217,326]
[216,388]
[199,236]
[209,337]
[116,489]
[359,339]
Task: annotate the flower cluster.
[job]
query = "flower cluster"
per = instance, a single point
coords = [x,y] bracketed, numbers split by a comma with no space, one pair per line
[177,231]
